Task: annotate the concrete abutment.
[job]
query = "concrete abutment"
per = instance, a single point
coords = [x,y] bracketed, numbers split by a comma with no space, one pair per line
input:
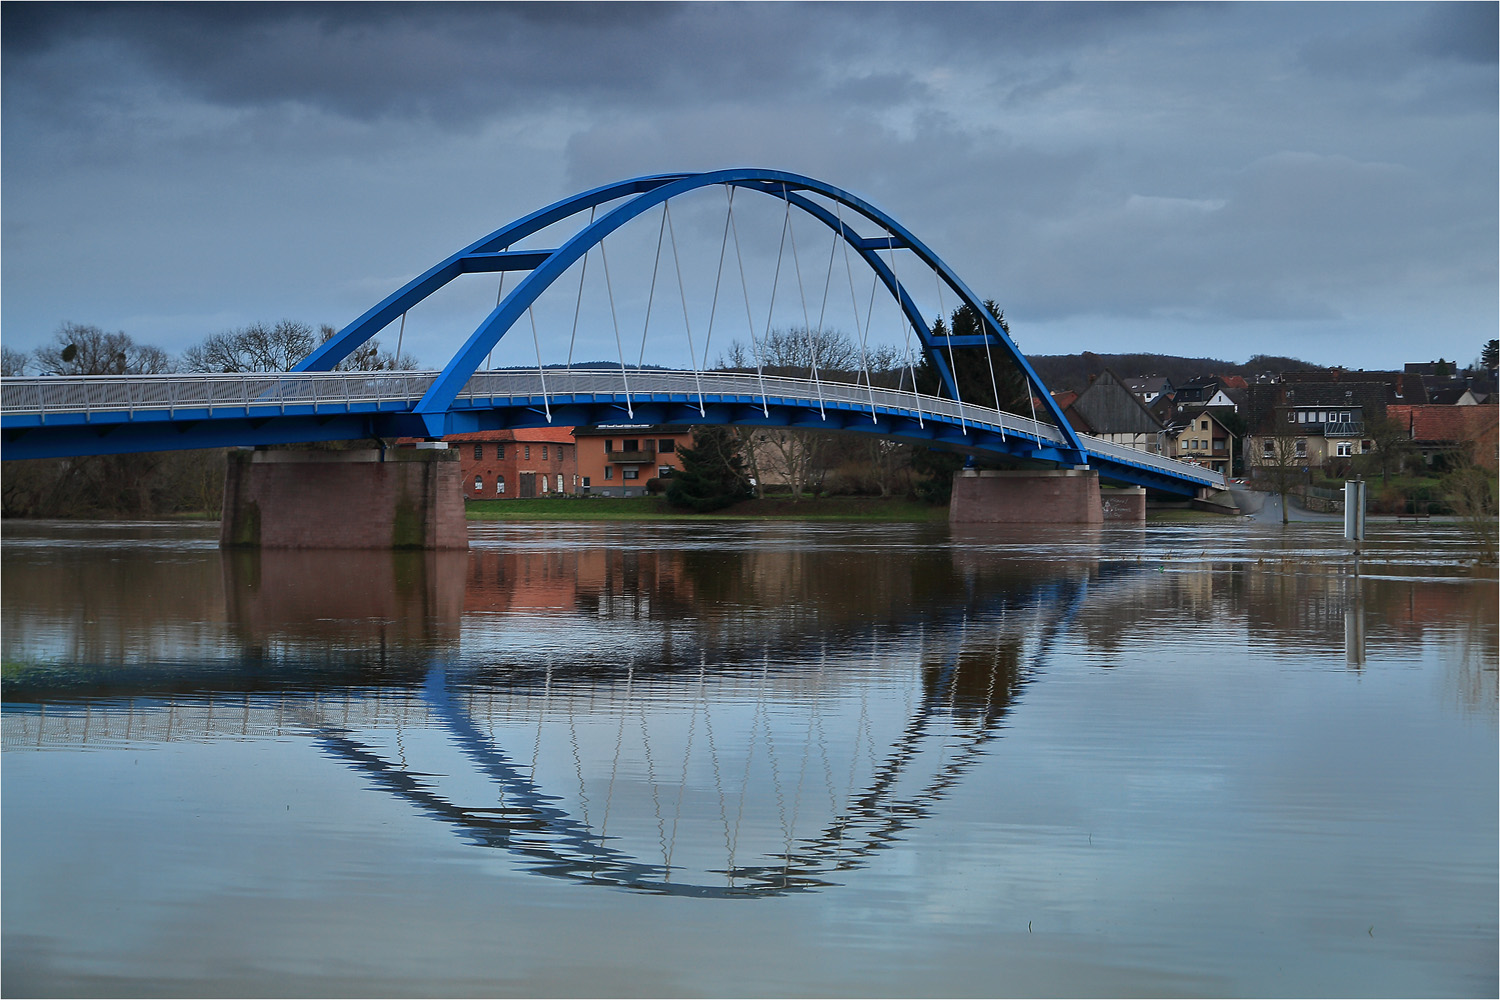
[399,499]
[1061,496]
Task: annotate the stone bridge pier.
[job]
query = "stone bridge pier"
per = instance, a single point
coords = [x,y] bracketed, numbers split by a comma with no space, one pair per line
[1027,496]
[399,498]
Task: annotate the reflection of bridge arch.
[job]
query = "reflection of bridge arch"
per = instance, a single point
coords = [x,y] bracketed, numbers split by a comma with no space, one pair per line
[532,824]
[636,196]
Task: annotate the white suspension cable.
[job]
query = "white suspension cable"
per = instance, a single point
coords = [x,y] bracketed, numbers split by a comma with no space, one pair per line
[1031,395]
[615,317]
[651,295]
[682,291]
[399,337]
[812,347]
[905,329]
[489,361]
[776,280]
[536,341]
[578,305]
[718,277]
[863,328]
[994,385]
[952,365]
[760,372]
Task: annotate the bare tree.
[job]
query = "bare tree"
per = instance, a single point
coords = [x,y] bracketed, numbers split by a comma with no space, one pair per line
[13,362]
[253,348]
[796,352]
[1392,444]
[368,357]
[262,348]
[1283,463]
[747,447]
[87,350]
[1471,492]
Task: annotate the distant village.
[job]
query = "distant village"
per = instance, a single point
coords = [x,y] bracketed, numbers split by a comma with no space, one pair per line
[1270,423]
[1427,417]
[1314,424]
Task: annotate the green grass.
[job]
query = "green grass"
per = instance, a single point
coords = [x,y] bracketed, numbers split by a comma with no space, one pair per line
[657,509]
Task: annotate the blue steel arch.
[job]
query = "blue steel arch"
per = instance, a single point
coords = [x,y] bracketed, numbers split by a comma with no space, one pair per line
[492,254]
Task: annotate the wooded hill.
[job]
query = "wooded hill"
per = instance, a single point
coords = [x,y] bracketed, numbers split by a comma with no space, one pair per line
[1073,371]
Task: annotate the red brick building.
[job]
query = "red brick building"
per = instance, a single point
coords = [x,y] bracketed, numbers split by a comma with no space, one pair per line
[619,460]
[503,465]
[1467,432]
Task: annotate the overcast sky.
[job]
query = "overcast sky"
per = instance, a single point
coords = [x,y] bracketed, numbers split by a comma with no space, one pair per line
[1223,180]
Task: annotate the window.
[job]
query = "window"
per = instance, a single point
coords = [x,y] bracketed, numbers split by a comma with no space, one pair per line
[586,483]
[528,452]
[1291,417]
[1301,447]
[499,451]
[543,478]
[1203,425]
[478,484]
[559,482]
[666,446]
[632,444]
[499,484]
[609,472]
[1345,449]
[663,472]
[609,444]
[544,453]
[1268,448]
[1301,416]
[1343,416]
[631,473]
[1367,446]
[478,451]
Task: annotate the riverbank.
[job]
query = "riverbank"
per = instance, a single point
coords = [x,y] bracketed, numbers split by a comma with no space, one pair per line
[889,509]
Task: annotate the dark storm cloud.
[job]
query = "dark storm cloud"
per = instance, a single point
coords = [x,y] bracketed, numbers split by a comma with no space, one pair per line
[1222,163]
[458,61]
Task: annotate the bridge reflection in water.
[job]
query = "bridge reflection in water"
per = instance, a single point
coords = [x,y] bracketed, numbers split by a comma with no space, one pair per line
[726,718]
[737,754]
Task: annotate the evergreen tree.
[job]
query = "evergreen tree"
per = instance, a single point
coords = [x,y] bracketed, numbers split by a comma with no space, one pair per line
[979,373]
[713,473]
[1489,358]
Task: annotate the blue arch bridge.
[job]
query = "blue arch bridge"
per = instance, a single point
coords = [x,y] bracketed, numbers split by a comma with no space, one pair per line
[93,415]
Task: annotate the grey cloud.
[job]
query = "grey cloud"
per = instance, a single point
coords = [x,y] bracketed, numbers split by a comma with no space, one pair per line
[1469,32]
[1208,163]
[457,62]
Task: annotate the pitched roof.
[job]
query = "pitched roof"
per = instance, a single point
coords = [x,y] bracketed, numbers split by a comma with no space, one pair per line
[1111,408]
[544,435]
[1445,423]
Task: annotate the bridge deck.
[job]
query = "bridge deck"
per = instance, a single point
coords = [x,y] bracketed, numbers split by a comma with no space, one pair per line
[52,416]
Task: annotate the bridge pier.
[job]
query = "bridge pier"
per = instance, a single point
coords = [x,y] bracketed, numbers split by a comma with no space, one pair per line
[1125,504]
[1062,496]
[1026,496]
[401,499]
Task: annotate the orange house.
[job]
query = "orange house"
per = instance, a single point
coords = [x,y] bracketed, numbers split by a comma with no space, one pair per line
[618,460]
[517,465]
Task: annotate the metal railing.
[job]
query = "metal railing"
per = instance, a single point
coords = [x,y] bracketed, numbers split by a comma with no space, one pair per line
[123,396]
[130,394]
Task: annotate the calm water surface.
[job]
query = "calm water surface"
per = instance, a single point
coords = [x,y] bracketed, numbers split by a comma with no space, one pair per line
[750,760]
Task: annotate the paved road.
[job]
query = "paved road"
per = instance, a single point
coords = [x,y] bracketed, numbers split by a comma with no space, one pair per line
[1270,511]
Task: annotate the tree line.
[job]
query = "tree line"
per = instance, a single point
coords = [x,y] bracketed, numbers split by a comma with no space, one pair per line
[154,483]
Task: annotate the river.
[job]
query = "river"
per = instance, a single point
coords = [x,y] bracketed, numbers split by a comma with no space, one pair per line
[750,759]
